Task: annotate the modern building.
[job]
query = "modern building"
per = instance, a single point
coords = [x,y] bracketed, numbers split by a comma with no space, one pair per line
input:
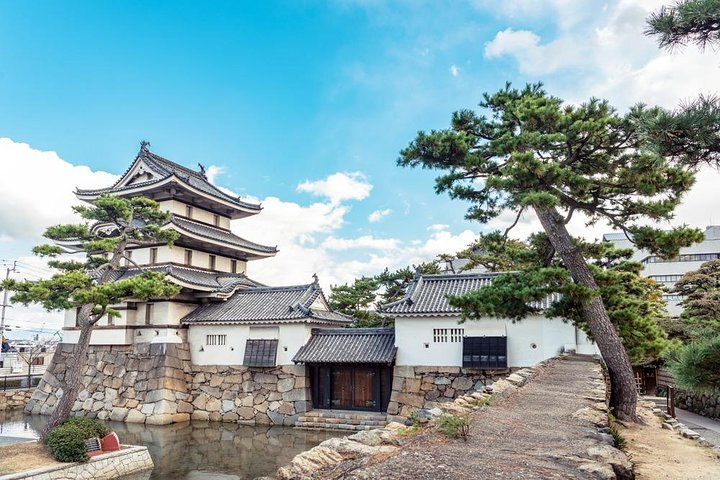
[668,271]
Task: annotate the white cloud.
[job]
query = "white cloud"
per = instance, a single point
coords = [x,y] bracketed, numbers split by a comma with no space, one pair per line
[603,52]
[438,227]
[339,187]
[378,215]
[365,241]
[454,70]
[213,172]
[37,189]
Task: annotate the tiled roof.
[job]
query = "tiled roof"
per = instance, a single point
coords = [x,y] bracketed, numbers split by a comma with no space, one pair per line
[219,282]
[219,234]
[427,294]
[349,345]
[263,304]
[166,168]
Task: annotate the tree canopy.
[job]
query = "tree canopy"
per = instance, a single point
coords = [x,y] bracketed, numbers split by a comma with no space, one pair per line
[686,22]
[527,150]
[112,225]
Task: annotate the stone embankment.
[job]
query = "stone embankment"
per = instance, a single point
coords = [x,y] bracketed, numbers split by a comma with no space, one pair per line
[157,384]
[705,404]
[555,426]
[15,399]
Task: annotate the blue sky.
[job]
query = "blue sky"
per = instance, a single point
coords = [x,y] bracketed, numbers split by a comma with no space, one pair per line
[277,93]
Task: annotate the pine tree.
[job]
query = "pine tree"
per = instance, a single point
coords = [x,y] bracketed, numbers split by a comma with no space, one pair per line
[686,21]
[533,153]
[88,285]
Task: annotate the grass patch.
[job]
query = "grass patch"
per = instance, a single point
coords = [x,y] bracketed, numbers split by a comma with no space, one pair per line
[454,426]
[24,456]
[619,440]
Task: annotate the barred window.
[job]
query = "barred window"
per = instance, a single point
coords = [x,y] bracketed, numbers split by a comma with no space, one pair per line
[672,298]
[215,339]
[688,257]
[260,352]
[445,335]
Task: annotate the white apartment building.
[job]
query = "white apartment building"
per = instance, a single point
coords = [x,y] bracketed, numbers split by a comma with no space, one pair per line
[667,272]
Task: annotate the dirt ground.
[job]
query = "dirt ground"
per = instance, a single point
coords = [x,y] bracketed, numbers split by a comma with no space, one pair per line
[529,435]
[24,456]
[660,454]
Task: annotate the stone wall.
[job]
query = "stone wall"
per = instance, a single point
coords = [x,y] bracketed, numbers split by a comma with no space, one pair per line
[416,388]
[156,384]
[247,395]
[706,404]
[15,399]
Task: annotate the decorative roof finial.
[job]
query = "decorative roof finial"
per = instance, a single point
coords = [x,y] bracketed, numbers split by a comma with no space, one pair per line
[315,278]
[144,144]
[202,170]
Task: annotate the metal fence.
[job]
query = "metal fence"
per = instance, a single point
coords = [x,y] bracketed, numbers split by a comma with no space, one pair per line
[15,382]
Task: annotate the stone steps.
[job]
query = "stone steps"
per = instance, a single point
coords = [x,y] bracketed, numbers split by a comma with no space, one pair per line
[341,420]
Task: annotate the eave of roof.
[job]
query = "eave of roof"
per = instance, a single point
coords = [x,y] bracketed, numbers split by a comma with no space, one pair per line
[348,346]
[220,236]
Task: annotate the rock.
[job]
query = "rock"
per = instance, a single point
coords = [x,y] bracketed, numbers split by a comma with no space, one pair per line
[442,381]
[310,461]
[162,419]
[516,379]
[265,378]
[200,415]
[351,449]
[164,406]
[184,407]
[591,415]
[601,471]
[395,426]
[614,457]
[667,426]
[462,383]
[295,395]
[374,438]
[435,412]
[285,385]
[213,405]
[118,414]
[134,416]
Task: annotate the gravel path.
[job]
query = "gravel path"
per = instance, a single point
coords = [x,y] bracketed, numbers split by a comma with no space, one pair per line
[528,435]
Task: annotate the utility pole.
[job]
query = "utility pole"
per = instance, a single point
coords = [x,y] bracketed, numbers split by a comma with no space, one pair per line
[5,300]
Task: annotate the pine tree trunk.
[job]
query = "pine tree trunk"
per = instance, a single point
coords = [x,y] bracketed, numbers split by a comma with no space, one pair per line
[71,382]
[623,396]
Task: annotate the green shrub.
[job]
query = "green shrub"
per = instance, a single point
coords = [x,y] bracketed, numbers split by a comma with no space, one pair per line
[67,443]
[454,426]
[696,366]
[90,428]
[618,439]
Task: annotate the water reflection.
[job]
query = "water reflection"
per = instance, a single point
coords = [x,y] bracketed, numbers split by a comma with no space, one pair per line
[198,450]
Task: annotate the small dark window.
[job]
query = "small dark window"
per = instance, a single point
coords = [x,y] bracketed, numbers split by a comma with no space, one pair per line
[211,262]
[233,266]
[188,211]
[148,313]
[260,353]
[153,255]
[188,257]
[485,352]
[216,219]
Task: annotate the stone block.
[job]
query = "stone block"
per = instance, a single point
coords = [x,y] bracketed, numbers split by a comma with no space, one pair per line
[216,380]
[392,408]
[276,418]
[404,371]
[134,416]
[285,385]
[180,417]
[161,419]
[246,413]
[161,394]
[118,414]
[200,401]
[462,383]
[409,399]
[412,385]
[215,417]
[286,408]
[213,405]
[164,406]
[295,370]
[273,396]
[266,378]
[228,405]
[442,381]
[200,415]
[184,407]
[147,409]
[230,417]
[295,395]
[262,419]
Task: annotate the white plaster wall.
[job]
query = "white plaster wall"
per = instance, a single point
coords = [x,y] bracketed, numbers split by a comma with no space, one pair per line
[100,336]
[549,336]
[290,338]
[199,214]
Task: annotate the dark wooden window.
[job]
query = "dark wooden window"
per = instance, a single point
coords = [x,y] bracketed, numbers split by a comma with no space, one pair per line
[485,352]
[188,257]
[233,266]
[216,219]
[148,313]
[260,353]
[153,255]
[211,262]
[189,211]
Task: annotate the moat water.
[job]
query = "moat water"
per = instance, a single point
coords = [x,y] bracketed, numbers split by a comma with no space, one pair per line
[196,450]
